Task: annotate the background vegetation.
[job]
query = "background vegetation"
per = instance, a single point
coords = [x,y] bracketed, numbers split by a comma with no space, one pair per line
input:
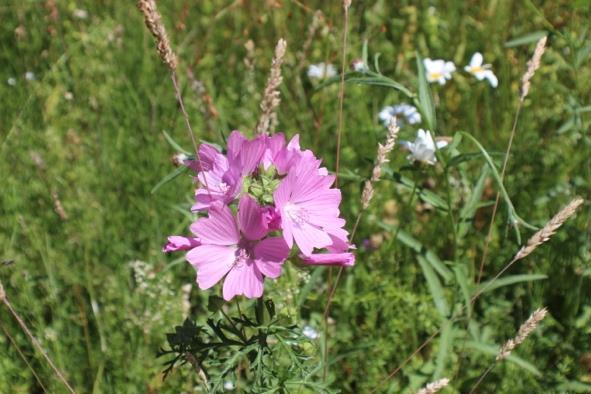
[81,148]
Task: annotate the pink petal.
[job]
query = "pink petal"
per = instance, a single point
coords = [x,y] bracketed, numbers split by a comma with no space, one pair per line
[308,237]
[282,193]
[243,279]
[235,141]
[251,154]
[176,243]
[212,263]
[343,259]
[274,145]
[287,227]
[323,203]
[251,218]
[270,254]
[219,228]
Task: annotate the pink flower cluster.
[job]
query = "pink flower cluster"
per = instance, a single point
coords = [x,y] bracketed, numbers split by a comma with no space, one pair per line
[262,198]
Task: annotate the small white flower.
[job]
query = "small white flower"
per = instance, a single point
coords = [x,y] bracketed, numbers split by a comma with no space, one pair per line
[438,70]
[11,81]
[310,332]
[424,147]
[80,14]
[229,385]
[30,76]
[405,114]
[359,66]
[481,71]
[321,71]
[69,96]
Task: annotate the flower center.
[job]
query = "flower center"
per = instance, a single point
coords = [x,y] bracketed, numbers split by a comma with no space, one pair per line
[435,75]
[296,214]
[224,187]
[242,257]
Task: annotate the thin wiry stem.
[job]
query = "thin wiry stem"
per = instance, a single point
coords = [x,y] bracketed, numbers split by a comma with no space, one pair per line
[346,5]
[532,65]
[34,341]
[20,353]
[498,197]
[153,21]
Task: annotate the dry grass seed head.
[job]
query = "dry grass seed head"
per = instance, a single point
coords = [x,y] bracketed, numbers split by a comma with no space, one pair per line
[532,65]
[434,387]
[271,96]
[154,23]
[549,229]
[381,160]
[526,328]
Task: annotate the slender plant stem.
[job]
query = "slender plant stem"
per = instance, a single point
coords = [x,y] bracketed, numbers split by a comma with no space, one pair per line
[498,197]
[202,376]
[342,93]
[179,98]
[20,353]
[482,378]
[34,340]
[346,5]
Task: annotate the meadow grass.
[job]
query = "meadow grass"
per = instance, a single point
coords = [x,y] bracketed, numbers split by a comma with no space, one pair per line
[82,147]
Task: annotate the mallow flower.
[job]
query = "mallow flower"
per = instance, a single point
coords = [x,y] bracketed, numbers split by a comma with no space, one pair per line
[309,207]
[405,114]
[438,70]
[481,71]
[423,148]
[236,248]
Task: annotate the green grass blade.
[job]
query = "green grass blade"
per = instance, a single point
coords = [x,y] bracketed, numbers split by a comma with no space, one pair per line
[169,177]
[508,280]
[425,100]
[434,286]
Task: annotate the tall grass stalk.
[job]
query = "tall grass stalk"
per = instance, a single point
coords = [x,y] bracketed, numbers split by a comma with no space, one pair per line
[33,340]
[532,65]
[346,6]
[505,351]
[153,22]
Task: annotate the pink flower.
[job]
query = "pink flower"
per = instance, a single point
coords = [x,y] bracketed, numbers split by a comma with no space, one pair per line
[218,181]
[177,242]
[309,208]
[220,176]
[337,255]
[236,248]
[245,156]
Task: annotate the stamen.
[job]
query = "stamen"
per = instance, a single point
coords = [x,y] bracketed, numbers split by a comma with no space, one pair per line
[296,214]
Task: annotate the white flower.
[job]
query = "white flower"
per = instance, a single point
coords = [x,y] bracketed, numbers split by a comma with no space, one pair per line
[11,81]
[30,76]
[321,71]
[80,14]
[404,113]
[228,385]
[481,71]
[359,66]
[424,147]
[310,332]
[438,70]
